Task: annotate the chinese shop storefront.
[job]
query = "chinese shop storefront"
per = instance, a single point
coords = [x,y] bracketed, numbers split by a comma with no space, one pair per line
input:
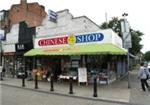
[96,53]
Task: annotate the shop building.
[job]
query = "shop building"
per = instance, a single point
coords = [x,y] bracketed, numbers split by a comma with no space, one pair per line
[64,46]
[96,51]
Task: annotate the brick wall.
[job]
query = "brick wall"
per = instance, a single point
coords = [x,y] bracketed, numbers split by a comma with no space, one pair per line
[32,13]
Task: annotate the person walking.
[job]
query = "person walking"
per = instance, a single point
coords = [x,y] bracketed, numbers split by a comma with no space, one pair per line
[142,75]
[3,71]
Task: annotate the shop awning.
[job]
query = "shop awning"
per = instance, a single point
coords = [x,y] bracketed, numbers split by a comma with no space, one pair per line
[89,49]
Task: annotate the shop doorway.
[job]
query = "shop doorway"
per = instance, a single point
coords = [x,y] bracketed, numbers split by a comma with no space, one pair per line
[56,67]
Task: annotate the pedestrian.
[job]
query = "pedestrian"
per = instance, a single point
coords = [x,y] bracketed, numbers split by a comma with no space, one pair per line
[3,71]
[142,75]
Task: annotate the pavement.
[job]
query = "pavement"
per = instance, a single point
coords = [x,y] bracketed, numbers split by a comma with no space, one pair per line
[137,96]
[117,91]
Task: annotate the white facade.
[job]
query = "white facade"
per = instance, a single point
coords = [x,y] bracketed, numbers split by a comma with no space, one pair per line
[11,39]
[66,24]
[9,48]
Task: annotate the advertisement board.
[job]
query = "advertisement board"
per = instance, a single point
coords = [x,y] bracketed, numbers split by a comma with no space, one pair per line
[82,74]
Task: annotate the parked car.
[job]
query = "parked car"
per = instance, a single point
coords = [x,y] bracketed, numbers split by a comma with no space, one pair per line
[20,73]
[148,66]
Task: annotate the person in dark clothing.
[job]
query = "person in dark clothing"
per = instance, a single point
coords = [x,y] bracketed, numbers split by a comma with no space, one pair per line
[56,70]
[3,72]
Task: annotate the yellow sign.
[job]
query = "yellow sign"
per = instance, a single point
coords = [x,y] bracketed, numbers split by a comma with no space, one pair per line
[71,39]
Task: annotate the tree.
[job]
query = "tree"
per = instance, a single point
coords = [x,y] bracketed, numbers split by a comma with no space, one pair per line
[115,25]
[136,38]
[147,56]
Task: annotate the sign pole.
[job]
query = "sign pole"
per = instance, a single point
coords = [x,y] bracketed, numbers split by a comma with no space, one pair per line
[128,63]
[127,43]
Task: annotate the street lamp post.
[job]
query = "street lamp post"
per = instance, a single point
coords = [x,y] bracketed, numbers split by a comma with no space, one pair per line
[1,73]
[126,42]
[1,35]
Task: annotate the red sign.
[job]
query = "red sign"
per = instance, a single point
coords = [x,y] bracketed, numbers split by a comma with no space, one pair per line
[53,41]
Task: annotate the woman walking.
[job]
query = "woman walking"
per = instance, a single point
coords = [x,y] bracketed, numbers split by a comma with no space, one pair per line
[143,75]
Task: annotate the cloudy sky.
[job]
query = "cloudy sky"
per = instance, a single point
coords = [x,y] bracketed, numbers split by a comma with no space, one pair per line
[137,10]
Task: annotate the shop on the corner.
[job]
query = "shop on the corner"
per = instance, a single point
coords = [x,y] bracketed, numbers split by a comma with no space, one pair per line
[82,56]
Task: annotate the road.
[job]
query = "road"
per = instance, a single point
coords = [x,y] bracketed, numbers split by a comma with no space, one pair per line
[18,96]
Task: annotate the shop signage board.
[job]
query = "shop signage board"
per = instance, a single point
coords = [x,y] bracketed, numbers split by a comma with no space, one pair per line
[20,47]
[82,74]
[70,39]
[23,46]
[105,36]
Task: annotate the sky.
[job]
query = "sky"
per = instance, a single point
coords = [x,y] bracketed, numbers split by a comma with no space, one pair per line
[96,10]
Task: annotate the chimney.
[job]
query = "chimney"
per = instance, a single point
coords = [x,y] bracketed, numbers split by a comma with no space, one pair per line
[23,2]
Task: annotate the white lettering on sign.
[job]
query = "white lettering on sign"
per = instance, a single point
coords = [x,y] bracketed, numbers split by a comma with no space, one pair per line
[20,47]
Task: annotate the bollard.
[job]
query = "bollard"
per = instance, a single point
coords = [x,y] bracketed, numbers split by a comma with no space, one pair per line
[36,81]
[1,76]
[51,83]
[23,81]
[71,85]
[95,87]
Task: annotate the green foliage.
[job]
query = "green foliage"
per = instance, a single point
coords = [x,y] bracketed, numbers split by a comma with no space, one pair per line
[136,38]
[115,25]
[147,56]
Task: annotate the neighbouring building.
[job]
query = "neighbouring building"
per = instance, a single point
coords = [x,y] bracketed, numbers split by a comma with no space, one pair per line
[21,21]
[9,49]
[18,41]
